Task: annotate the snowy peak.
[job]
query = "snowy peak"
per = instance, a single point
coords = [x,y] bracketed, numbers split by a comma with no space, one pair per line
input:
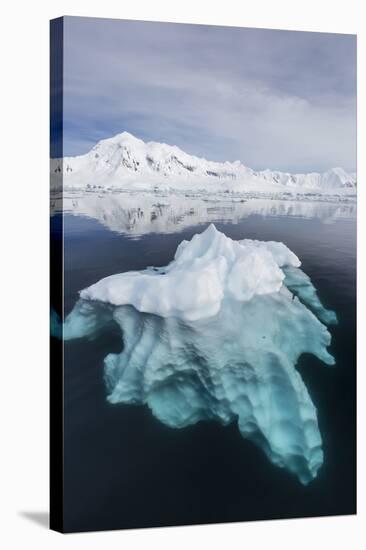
[125,161]
[338,176]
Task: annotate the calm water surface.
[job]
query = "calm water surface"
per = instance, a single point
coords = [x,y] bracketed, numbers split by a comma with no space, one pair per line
[123,468]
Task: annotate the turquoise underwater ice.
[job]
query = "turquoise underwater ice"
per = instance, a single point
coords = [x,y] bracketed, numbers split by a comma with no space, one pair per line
[216,335]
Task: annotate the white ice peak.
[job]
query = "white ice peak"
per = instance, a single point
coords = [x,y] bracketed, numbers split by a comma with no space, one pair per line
[204,271]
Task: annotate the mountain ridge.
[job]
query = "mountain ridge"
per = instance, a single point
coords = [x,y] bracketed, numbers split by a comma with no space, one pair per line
[125,161]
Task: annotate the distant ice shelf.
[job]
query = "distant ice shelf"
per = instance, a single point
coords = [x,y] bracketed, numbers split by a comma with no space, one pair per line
[126,162]
[216,335]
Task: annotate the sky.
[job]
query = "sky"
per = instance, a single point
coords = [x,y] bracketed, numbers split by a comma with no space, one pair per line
[274,99]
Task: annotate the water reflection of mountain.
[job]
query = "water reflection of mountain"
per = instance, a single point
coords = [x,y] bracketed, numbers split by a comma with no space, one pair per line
[142,213]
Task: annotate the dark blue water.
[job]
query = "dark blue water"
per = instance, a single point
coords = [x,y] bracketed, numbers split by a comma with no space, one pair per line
[123,468]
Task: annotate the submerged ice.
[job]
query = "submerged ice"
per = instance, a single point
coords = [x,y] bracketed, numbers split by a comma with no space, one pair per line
[216,335]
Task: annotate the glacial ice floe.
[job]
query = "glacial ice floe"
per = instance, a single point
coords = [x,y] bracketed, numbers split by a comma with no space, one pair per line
[216,335]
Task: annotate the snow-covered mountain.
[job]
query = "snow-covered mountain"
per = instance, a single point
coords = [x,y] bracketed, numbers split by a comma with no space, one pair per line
[126,162]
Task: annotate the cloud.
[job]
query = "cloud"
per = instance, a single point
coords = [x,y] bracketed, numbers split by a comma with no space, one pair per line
[278,99]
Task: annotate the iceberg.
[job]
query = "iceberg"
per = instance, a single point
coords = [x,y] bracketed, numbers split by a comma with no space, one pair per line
[216,335]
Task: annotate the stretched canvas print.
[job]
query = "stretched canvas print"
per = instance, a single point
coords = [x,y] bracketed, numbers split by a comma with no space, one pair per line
[203,274]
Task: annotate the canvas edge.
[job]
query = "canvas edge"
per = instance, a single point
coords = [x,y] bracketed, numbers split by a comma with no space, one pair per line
[56,494]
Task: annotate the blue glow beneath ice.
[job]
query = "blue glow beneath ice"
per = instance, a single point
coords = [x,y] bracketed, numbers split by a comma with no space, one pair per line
[236,365]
